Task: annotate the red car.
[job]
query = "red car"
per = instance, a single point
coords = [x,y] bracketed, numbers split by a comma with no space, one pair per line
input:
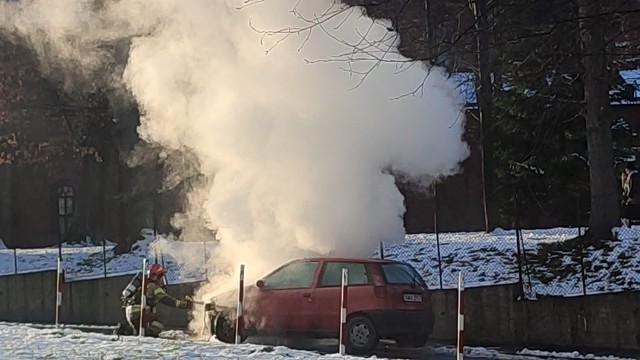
[386,300]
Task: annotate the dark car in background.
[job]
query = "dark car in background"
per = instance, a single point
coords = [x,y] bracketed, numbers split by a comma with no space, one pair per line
[386,300]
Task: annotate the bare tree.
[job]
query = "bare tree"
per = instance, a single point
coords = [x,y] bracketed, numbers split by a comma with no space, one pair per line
[484,86]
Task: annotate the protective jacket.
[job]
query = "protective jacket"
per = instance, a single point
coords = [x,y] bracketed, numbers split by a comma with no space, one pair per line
[157,293]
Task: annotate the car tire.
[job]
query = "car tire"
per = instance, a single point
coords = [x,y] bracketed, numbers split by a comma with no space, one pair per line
[362,337]
[224,329]
[412,341]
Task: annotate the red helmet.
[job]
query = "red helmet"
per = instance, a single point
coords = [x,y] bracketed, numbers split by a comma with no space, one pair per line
[156,272]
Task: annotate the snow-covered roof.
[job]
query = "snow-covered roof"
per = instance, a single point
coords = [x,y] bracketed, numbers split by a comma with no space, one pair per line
[632,79]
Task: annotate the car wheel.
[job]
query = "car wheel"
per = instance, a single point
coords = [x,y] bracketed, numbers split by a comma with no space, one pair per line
[412,341]
[362,335]
[224,329]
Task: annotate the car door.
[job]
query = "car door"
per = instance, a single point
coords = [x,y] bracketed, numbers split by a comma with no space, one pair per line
[282,301]
[327,294]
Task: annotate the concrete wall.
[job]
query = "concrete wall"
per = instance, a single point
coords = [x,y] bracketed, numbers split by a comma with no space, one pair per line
[97,302]
[492,317]
[28,297]
[31,298]
[94,302]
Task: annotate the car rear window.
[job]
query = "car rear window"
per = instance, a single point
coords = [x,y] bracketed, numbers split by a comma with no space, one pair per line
[400,273]
[332,274]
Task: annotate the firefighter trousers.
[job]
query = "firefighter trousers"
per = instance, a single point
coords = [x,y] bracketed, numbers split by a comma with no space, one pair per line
[153,327]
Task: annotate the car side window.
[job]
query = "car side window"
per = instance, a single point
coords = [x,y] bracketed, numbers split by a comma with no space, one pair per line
[399,273]
[332,274]
[296,275]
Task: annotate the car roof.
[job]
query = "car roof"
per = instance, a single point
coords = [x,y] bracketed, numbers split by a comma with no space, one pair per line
[346,259]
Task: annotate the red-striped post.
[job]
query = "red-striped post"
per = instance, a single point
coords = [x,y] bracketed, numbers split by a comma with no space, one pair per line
[59,287]
[344,303]
[460,347]
[239,311]
[143,296]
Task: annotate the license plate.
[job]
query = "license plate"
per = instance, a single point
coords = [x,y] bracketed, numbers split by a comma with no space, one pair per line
[412,298]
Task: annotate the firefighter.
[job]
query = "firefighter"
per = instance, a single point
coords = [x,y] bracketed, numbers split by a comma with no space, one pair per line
[156,293]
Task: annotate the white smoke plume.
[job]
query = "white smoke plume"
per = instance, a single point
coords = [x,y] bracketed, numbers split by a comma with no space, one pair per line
[295,153]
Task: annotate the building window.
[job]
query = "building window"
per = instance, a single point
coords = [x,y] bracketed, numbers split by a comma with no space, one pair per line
[65,208]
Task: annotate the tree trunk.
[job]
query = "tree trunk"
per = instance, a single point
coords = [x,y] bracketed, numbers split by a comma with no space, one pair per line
[484,95]
[605,212]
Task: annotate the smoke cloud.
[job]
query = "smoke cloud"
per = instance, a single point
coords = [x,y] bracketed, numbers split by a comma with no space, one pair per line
[295,131]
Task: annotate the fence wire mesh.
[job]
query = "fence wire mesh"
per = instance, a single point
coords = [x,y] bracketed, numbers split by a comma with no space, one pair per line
[545,262]
[88,261]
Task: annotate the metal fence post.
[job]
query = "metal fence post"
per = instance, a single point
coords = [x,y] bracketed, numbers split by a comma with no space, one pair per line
[516,223]
[460,342]
[143,296]
[436,232]
[582,270]
[344,303]
[104,256]
[519,255]
[525,260]
[59,287]
[240,308]
[581,247]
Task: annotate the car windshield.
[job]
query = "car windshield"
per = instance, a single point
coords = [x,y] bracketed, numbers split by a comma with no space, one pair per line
[400,273]
[295,275]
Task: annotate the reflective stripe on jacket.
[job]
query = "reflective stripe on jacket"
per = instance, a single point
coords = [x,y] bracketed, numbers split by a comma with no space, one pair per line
[158,294]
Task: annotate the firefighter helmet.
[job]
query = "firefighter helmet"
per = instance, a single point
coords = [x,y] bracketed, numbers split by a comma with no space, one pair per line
[156,271]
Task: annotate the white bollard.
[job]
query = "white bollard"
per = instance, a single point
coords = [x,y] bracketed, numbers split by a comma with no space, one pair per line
[59,287]
[344,303]
[460,345]
[240,309]
[143,296]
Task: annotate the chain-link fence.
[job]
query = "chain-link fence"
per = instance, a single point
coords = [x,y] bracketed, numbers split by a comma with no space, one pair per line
[545,262]
[87,260]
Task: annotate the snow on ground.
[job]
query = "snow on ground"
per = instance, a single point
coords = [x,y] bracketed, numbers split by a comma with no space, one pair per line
[525,354]
[486,259]
[25,341]
[565,355]
[548,267]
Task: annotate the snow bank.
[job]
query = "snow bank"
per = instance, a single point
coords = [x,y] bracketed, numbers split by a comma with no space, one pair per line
[525,354]
[486,259]
[86,261]
[35,341]
[568,355]
[19,341]
[490,259]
